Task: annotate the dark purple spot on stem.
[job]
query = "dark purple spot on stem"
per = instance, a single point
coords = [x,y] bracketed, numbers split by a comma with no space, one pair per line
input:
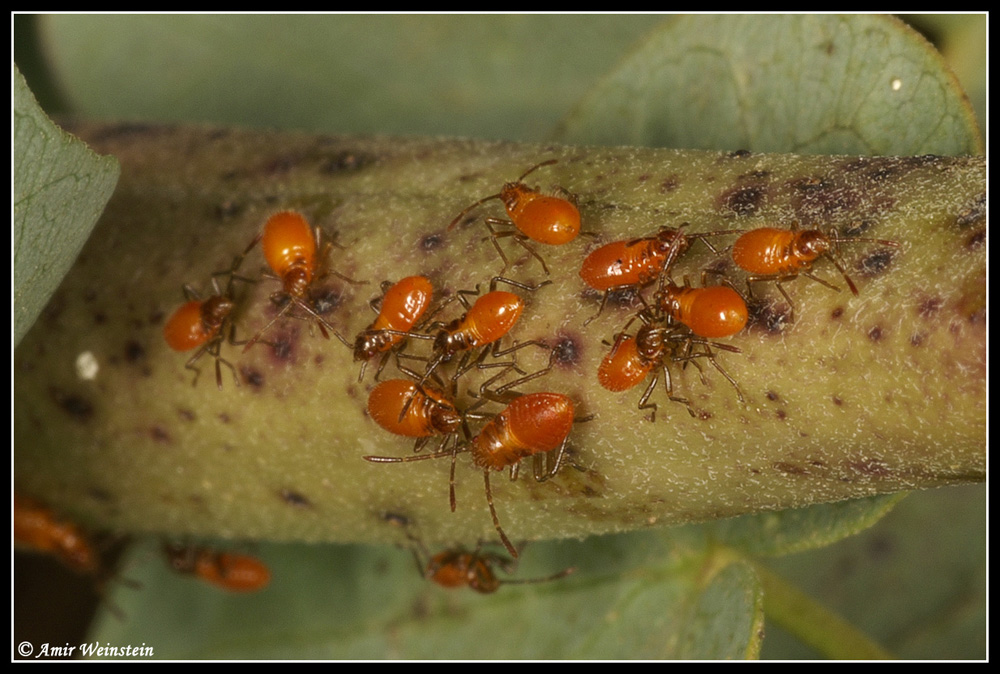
[432,242]
[567,351]
[253,377]
[77,407]
[294,499]
[876,263]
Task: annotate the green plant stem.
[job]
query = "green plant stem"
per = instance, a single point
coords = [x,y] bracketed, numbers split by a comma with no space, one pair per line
[813,623]
[857,396]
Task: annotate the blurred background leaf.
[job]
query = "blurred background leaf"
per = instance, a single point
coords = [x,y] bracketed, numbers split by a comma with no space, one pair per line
[808,84]
[508,77]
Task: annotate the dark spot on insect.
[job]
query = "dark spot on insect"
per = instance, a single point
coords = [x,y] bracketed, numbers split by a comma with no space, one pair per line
[917,339]
[644,177]
[739,154]
[976,240]
[133,351]
[973,213]
[100,318]
[875,334]
[789,468]
[771,317]
[227,209]
[772,396]
[229,175]
[346,160]
[186,414]
[254,378]
[837,401]
[89,295]
[432,241]
[294,499]
[567,351]
[929,307]
[670,183]
[704,415]
[837,313]
[159,434]
[78,408]
[744,200]
[224,418]
[876,263]
[781,415]
[326,300]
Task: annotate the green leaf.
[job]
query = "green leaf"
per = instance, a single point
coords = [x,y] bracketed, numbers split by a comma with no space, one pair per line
[798,529]
[59,190]
[809,84]
[489,76]
[916,583]
[691,601]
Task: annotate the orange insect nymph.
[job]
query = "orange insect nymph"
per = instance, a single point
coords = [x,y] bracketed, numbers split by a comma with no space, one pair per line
[290,246]
[772,254]
[638,262]
[488,320]
[546,219]
[535,425]
[531,424]
[37,527]
[713,312]
[228,571]
[624,367]
[429,413]
[403,304]
[458,568]
[204,324]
